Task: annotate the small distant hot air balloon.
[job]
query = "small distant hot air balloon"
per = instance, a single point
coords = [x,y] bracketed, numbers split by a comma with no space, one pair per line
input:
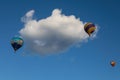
[16,43]
[89,28]
[112,63]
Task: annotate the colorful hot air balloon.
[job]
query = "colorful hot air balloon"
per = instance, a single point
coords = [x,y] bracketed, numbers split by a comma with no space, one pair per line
[112,63]
[89,28]
[16,43]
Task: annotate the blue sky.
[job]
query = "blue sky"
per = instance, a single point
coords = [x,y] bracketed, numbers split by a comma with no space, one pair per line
[88,62]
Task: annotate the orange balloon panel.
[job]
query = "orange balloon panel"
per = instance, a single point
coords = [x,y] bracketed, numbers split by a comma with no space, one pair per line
[113,63]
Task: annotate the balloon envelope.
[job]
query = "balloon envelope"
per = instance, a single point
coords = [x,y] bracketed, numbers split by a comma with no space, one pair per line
[89,28]
[113,63]
[16,43]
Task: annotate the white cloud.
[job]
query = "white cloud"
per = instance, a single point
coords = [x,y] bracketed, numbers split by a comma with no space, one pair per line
[53,34]
[28,16]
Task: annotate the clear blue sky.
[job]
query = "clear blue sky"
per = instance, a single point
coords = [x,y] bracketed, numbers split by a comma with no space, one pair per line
[89,62]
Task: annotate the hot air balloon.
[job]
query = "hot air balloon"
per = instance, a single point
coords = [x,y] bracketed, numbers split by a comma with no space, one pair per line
[16,43]
[89,28]
[112,63]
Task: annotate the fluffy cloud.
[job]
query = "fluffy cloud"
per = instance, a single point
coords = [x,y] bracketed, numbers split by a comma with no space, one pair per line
[53,34]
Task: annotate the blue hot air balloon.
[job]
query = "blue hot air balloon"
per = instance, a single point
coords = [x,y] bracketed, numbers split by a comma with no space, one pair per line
[16,43]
